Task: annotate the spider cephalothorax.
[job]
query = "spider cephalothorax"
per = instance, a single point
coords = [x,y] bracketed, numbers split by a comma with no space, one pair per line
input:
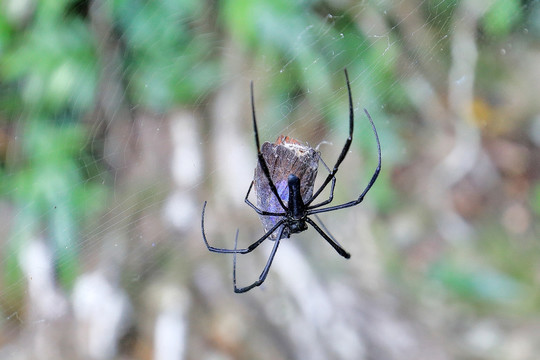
[284,180]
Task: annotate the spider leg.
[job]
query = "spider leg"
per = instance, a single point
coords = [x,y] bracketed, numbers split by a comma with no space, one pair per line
[345,147]
[257,210]
[325,229]
[250,248]
[260,156]
[264,273]
[324,164]
[368,187]
[330,198]
[332,242]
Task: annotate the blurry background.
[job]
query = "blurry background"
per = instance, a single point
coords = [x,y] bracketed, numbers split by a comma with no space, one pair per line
[119,118]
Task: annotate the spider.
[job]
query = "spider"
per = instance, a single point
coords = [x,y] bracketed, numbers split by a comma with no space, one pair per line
[286,195]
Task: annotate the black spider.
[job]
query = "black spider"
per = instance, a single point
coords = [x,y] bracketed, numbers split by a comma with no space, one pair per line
[295,215]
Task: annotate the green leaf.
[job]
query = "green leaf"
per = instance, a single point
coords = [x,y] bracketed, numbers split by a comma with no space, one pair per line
[501,17]
[483,284]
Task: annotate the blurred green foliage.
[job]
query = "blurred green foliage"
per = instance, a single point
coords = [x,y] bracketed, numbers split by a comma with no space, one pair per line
[52,68]
[48,78]
[502,16]
[536,199]
[323,47]
[479,285]
[164,64]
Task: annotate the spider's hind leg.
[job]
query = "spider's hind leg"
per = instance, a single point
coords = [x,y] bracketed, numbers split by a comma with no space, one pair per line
[325,229]
[341,251]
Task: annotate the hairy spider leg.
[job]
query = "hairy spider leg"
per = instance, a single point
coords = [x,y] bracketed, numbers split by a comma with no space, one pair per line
[368,187]
[260,156]
[250,248]
[343,152]
[264,273]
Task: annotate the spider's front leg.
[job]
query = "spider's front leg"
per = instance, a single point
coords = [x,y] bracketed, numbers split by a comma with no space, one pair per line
[344,151]
[260,156]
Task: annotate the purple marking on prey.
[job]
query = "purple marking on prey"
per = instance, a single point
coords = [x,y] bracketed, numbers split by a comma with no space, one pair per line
[273,205]
[284,157]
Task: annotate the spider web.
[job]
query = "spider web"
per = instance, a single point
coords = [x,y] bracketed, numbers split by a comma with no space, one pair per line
[120,118]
